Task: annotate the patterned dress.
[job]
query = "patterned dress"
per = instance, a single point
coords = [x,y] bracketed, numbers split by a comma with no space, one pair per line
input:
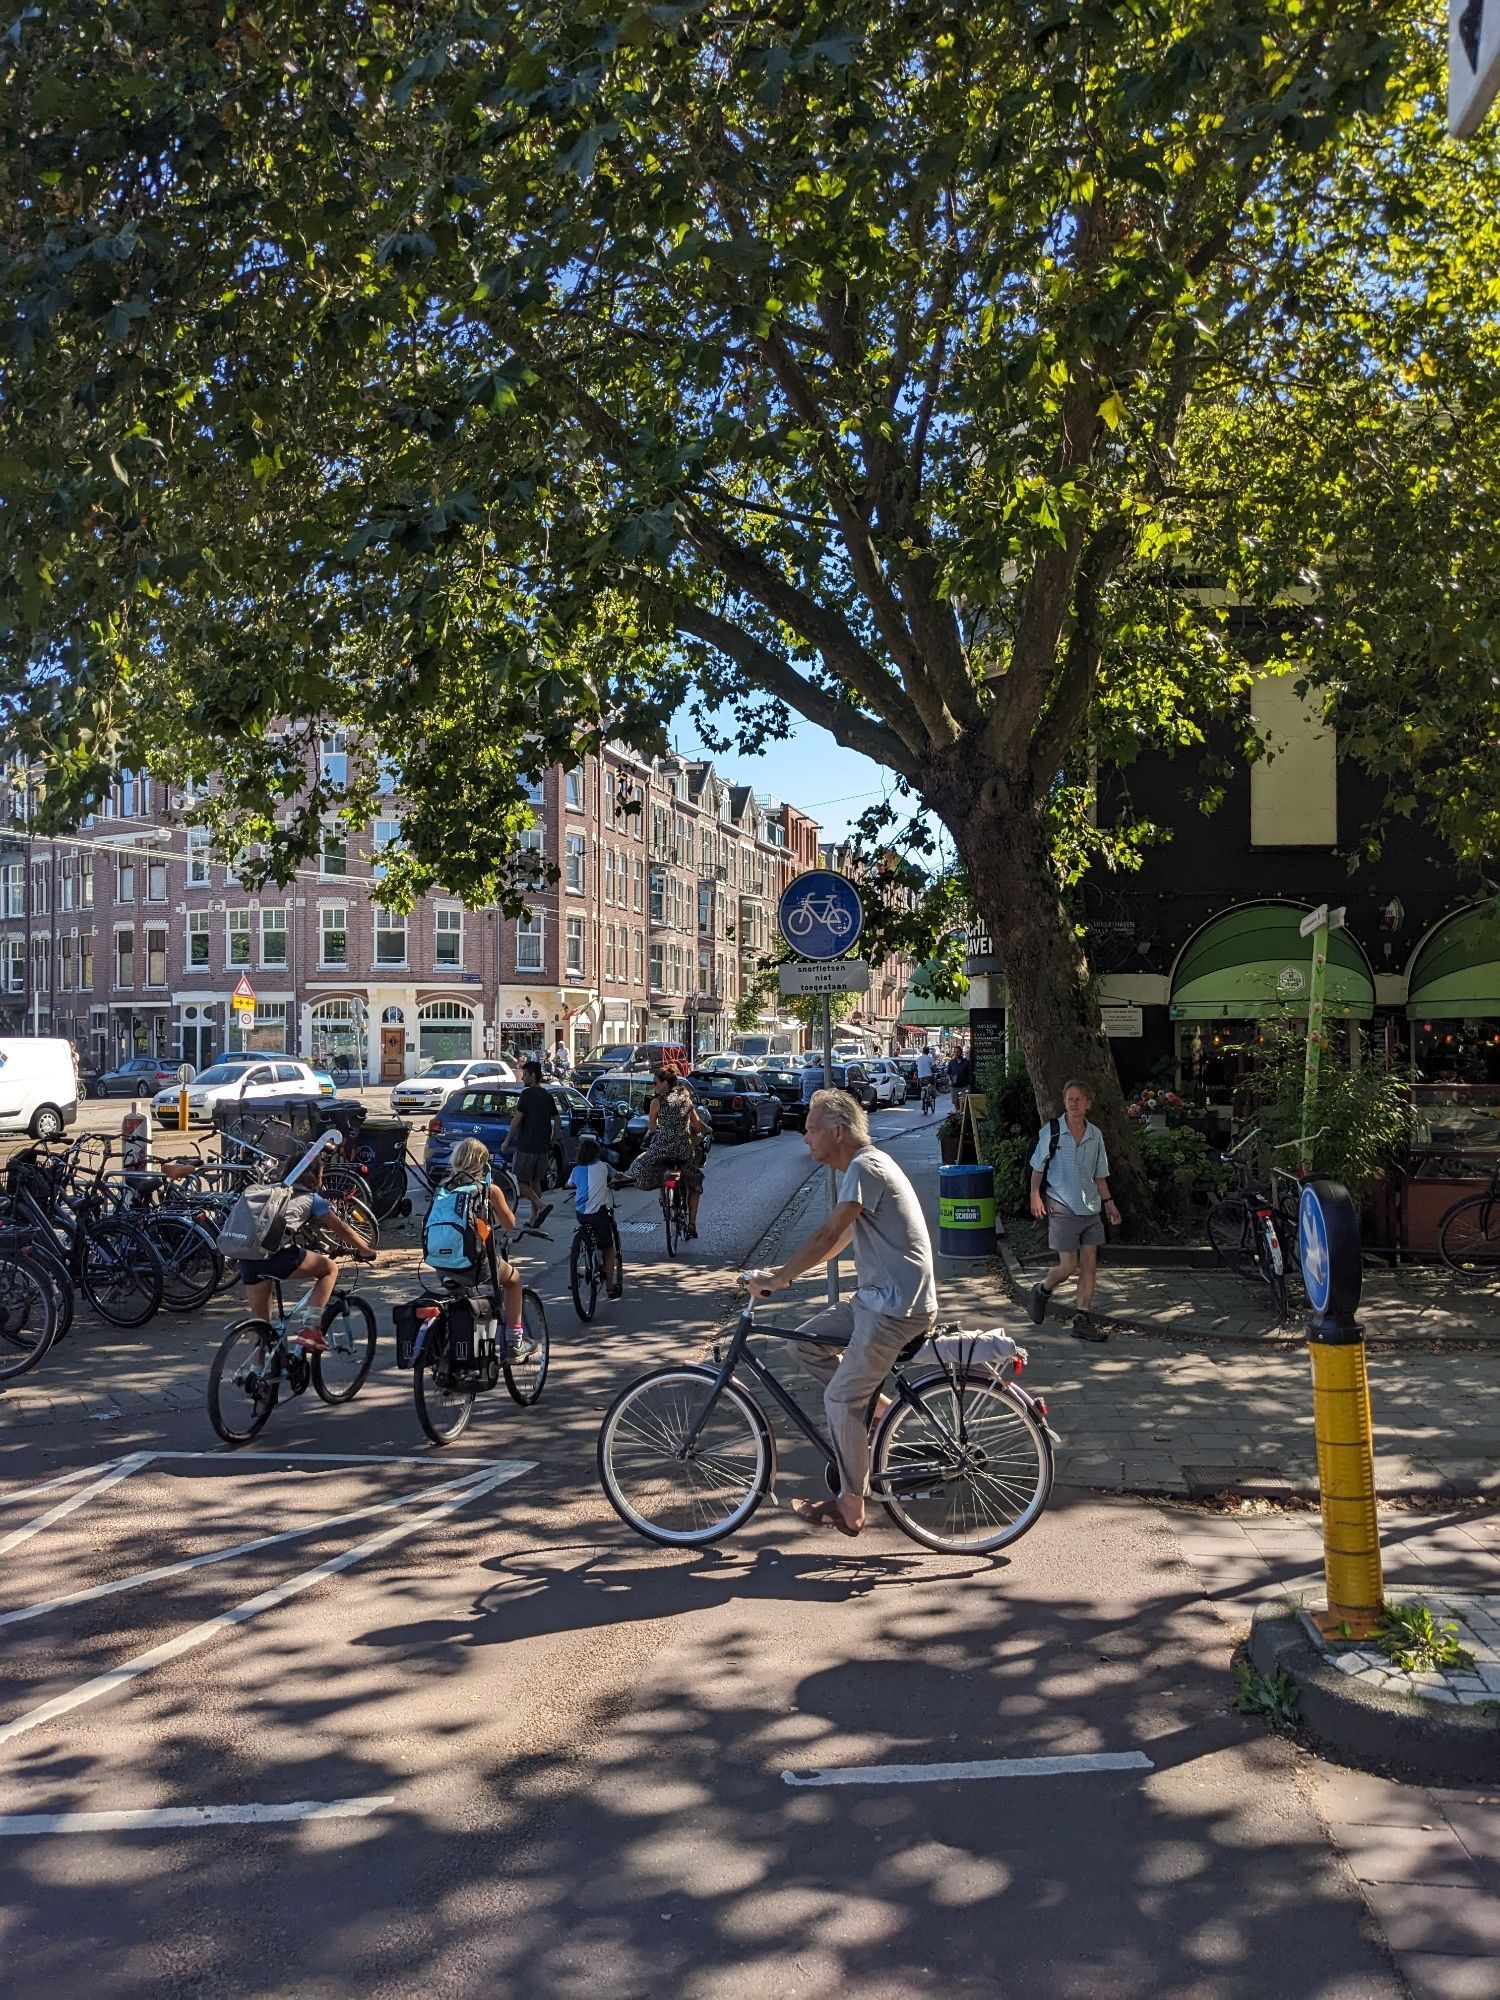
[671,1144]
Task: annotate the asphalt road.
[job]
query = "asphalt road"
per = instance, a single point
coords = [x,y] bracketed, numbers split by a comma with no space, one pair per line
[569,1763]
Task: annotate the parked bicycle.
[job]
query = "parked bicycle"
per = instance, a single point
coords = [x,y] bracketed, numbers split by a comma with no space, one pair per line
[260,1359]
[105,1256]
[1243,1233]
[1469,1234]
[453,1340]
[28,1304]
[961,1458]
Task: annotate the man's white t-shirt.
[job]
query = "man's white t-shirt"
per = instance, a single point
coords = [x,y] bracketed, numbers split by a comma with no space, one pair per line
[924,1065]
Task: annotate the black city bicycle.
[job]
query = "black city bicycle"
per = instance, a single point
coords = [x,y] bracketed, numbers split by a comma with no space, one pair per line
[929,1096]
[456,1347]
[260,1360]
[961,1460]
[109,1259]
[1469,1234]
[28,1304]
[1244,1233]
[586,1276]
[676,1210]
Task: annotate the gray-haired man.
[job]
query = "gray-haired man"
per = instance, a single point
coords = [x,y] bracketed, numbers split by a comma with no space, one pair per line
[896,1301]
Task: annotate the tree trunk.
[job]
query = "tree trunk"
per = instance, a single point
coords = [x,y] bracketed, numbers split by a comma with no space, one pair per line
[1052,1009]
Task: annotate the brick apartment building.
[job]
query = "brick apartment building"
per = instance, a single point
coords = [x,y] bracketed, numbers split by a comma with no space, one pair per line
[129,936]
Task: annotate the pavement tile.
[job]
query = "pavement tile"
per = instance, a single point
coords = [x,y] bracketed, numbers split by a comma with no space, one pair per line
[1441,1976]
[1477,1826]
[1416,1854]
[1421,1916]
[1358,1798]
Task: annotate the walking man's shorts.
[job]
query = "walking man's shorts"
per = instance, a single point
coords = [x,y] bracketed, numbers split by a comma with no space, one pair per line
[1068,1230]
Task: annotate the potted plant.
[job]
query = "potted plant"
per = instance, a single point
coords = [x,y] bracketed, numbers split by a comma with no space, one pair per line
[948,1139]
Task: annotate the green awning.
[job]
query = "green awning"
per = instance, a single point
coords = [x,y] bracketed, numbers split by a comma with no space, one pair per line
[1455,975]
[1250,962]
[921,1010]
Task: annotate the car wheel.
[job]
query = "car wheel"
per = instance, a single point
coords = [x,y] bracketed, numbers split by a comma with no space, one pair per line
[48,1123]
[555,1172]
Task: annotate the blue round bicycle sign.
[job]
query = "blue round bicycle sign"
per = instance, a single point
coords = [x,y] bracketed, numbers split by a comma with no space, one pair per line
[1312,1244]
[821,915]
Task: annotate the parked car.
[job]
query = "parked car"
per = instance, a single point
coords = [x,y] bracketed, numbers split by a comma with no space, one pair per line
[890,1084]
[325,1080]
[621,1106]
[786,1082]
[846,1076]
[484,1111]
[908,1068]
[436,1084]
[737,1105]
[237,1076]
[601,1061]
[139,1076]
[730,1064]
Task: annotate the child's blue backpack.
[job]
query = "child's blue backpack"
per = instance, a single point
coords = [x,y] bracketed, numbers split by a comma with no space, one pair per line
[451,1238]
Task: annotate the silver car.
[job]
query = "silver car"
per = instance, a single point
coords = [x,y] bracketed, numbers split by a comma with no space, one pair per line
[429,1091]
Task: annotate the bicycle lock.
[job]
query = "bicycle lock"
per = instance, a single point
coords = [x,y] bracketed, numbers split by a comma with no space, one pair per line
[1332,1270]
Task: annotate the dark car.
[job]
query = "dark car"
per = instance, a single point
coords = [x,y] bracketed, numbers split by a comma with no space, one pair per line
[621,1105]
[786,1083]
[141,1076]
[484,1111]
[908,1068]
[738,1105]
[599,1062]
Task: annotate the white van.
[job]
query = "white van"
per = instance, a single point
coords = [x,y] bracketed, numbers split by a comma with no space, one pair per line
[761,1048]
[38,1085]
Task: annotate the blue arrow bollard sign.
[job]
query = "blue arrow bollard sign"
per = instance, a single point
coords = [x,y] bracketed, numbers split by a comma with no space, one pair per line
[821,915]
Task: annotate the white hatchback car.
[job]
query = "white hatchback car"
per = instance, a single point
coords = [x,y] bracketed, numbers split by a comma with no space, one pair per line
[245,1076]
[430,1090]
[890,1084]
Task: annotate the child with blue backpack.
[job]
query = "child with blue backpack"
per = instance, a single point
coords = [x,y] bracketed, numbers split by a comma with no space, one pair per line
[456,1234]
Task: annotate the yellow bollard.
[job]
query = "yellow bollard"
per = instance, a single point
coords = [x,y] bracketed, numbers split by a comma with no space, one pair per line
[1328,1233]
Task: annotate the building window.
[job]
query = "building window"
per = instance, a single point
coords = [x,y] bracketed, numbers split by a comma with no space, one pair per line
[65,965]
[638,959]
[273,935]
[531,791]
[334,858]
[124,881]
[156,881]
[638,870]
[387,777]
[15,889]
[85,965]
[197,939]
[575,945]
[390,937]
[86,884]
[333,757]
[573,861]
[156,957]
[658,968]
[15,966]
[385,834]
[575,786]
[449,918]
[125,957]
[609,875]
[237,946]
[65,888]
[529,943]
[658,896]
[609,951]
[41,969]
[198,845]
[127,795]
[39,899]
[333,922]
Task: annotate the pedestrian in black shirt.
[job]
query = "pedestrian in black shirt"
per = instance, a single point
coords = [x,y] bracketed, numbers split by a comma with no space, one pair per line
[531,1131]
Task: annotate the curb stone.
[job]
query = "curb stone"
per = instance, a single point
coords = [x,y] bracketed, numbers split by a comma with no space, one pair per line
[1371,1728]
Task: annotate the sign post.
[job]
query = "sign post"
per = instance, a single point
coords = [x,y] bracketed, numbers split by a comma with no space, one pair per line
[1332,1268]
[184,1078]
[1473,63]
[1316,925]
[821,917]
[242,1003]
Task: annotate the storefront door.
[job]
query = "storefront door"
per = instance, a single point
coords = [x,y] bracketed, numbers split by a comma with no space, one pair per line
[392,1054]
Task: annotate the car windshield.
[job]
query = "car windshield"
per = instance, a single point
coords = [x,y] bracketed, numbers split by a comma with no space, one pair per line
[608,1054]
[223,1073]
[442,1069]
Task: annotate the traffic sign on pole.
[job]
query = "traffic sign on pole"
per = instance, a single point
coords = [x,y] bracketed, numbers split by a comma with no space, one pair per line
[820,913]
[833,975]
[1473,63]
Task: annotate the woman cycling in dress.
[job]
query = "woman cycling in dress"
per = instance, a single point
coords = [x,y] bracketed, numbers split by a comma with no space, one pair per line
[674,1128]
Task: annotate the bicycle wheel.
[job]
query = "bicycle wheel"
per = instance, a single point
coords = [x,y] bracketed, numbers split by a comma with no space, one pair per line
[55,1273]
[669,1218]
[658,1488]
[355,1213]
[1469,1239]
[28,1314]
[350,1327]
[443,1413]
[242,1384]
[388,1188]
[966,1471]
[192,1269]
[1227,1228]
[526,1379]
[1270,1264]
[584,1275]
[119,1273]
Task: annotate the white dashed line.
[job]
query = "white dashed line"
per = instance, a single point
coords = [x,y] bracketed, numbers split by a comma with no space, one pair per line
[136,1822]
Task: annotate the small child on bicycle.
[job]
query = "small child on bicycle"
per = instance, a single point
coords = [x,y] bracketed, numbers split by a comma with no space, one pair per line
[589,1181]
[471,1164]
[309,1211]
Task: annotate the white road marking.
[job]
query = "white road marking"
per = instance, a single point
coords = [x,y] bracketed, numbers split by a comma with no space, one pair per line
[990,1767]
[62,1479]
[133,1822]
[266,1600]
[122,1470]
[144,1576]
[227,1458]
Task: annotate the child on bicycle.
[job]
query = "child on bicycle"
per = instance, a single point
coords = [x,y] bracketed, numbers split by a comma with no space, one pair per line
[471,1164]
[589,1181]
[312,1212]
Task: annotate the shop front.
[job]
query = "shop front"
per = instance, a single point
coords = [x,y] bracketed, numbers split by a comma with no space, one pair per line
[1453,999]
[925,1020]
[522,1025]
[1244,969]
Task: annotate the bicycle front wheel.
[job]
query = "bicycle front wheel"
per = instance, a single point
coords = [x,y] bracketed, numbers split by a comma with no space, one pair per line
[192,1269]
[349,1327]
[1270,1263]
[28,1314]
[1469,1240]
[965,1469]
[443,1413]
[685,1497]
[242,1385]
[584,1275]
[120,1274]
[526,1379]
[1228,1233]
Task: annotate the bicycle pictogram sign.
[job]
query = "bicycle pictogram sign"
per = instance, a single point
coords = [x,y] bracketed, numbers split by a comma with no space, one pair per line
[821,914]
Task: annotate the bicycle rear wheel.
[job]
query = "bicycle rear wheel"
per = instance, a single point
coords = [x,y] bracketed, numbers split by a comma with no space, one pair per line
[1270,1263]
[443,1413]
[656,1486]
[965,1470]
[1469,1240]
[120,1273]
[192,1269]
[1228,1231]
[355,1213]
[669,1217]
[584,1275]
[349,1326]
[526,1379]
[242,1389]
[28,1314]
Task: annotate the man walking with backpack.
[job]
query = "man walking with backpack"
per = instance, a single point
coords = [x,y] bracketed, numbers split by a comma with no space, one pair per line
[1070,1193]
